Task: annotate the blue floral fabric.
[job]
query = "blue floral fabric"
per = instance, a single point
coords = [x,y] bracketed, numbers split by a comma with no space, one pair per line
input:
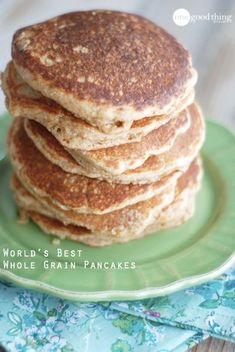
[207,308]
[32,321]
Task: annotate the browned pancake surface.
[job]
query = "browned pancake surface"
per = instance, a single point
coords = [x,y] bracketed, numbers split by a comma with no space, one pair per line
[71,131]
[72,191]
[127,220]
[105,57]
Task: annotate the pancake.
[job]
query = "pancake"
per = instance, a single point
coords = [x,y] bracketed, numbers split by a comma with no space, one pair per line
[70,191]
[70,131]
[178,158]
[183,206]
[129,220]
[182,153]
[180,210]
[108,68]
[116,160]
[55,227]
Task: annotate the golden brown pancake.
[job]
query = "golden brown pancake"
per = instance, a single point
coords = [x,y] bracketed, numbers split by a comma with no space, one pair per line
[70,191]
[106,229]
[107,67]
[56,227]
[184,150]
[180,211]
[119,159]
[129,220]
[73,132]
[116,160]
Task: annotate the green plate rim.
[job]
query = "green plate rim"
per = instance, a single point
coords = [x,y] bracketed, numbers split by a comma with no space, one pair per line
[119,295]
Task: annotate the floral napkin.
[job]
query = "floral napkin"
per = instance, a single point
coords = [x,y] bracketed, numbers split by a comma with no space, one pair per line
[208,308]
[31,321]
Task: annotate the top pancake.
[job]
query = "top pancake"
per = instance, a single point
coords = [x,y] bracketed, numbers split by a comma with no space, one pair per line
[109,68]
[73,132]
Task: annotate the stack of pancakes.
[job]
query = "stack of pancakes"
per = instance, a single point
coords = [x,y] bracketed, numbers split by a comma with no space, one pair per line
[106,136]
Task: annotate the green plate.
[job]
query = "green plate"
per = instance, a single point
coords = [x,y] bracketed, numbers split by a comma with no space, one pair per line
[165,262]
